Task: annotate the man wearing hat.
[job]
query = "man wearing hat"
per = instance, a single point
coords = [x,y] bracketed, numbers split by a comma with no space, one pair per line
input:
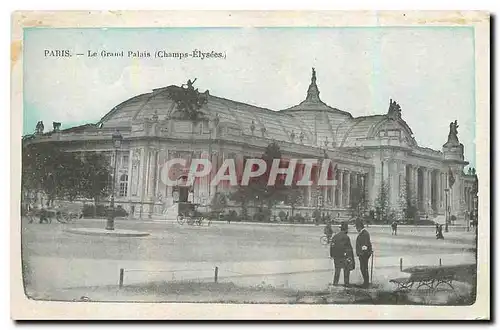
[342,254]
[363,251]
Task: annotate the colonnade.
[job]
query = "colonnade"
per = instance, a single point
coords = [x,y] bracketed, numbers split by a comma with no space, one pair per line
[425,184]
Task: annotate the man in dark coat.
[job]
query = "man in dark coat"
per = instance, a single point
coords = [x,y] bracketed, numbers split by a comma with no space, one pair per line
[394,226]
[342,254]
[439,234]
[363,251]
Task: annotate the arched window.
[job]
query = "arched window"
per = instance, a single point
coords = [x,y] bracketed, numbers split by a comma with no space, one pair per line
[123,185]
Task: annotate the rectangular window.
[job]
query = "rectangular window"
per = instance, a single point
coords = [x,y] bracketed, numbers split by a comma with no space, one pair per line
[206,129]
[125,159]
[123,189]
[394,133]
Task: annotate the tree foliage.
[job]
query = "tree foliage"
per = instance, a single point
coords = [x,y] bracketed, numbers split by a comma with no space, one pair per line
[293,197]
[218,203]
[65,175]
[382,203]
[411,211]
[358,202]
[96,176]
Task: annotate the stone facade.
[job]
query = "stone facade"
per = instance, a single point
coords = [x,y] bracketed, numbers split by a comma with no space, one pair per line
[369,151]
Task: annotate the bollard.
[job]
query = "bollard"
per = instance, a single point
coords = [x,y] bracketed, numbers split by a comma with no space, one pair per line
[121,278]
[216,275]
[401,264]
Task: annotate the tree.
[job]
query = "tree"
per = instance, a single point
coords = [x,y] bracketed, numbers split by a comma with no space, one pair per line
[411,202]
[402,202]
[293,197]
[358,203]
[66,175]
[219,203]
[382,203]
[47,169]
[275,193]
[258,189]
[95,177]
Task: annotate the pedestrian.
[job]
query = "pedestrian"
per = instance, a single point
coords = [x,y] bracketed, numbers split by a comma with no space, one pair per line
[363,251]
[342,254]
[439,234]
[30,212]
[44,216]
[394,226]
[328,231]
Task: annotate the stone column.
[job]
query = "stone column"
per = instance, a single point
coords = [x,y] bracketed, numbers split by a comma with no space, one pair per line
[363,183]
[430,191]
[438,190]
[425,187]
[150,180]
[415,186]
[400,182]
[387,181]
[466,198]
[154,180]
[325,195]
[319,189]
[129,181]
[157,174]
[441,187]
[341,188]
[431,175]
[169,200]
[372,186]
[431,185]
[213,160]
[150,173]
[395,169]
[348,189]
[471,200]
[332,193]
[143,179]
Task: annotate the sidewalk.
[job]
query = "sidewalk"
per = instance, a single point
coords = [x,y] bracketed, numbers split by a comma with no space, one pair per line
[158,219]
[54,274]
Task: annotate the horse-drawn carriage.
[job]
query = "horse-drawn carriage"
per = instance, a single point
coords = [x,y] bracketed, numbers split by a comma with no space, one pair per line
[63,212]
[189,213]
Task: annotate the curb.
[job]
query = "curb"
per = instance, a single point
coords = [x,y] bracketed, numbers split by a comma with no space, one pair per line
[104,232]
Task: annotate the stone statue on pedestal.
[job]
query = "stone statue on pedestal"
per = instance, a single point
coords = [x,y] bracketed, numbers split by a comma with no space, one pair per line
[394,111]
[39,127]
[453,134]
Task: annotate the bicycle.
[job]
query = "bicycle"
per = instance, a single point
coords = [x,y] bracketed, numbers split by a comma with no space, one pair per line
[192,217]
[181,219]
[68,217]
[325,240]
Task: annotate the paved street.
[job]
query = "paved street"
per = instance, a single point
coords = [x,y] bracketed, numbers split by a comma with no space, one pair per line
[245,254]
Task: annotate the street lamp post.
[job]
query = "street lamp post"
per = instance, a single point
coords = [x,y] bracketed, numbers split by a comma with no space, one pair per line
[117,142]
[446,215]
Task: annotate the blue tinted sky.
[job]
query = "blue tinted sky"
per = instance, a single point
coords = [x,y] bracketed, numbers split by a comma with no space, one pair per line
[428,71]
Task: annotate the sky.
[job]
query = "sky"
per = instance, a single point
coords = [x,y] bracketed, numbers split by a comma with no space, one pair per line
[429,71]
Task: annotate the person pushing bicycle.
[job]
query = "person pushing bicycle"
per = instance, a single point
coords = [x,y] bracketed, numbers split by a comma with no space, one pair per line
[328,231]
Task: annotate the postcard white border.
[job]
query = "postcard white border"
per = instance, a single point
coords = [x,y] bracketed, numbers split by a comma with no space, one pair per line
[23,308]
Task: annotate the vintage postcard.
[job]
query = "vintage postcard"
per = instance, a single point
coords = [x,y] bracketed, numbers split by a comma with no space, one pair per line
[250,165]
